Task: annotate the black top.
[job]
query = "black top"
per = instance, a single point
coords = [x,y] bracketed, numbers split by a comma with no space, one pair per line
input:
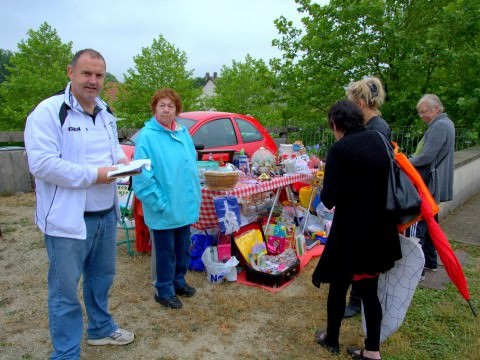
[379,124]
[362,239]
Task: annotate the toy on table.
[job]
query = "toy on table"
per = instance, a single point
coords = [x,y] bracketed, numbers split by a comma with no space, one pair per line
[263,161]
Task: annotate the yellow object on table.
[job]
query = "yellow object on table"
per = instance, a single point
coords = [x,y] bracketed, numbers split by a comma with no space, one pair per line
[304,195]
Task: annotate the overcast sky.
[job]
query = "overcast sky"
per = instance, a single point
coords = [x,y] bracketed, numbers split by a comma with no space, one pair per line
[212,33]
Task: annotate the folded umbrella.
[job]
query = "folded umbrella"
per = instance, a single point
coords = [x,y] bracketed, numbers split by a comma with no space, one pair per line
[445,252]
[420,185]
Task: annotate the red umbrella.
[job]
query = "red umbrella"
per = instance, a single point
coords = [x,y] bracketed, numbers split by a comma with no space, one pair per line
[417,180]
[445,251]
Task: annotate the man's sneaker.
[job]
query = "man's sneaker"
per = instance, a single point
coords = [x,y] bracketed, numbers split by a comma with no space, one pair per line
[422,276]
[118,337]
[430,268]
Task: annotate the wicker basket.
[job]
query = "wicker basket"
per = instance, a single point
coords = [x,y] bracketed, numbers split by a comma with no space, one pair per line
[217,180]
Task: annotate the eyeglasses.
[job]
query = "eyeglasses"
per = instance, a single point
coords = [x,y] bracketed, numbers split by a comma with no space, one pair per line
[423,112]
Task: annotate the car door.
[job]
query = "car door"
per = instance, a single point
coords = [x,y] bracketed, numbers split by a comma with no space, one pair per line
[217,134]
[251,138]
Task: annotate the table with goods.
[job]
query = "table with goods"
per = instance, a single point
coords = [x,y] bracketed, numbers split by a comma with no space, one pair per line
[261,217]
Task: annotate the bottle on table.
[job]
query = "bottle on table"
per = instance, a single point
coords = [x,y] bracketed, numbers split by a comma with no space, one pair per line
[243,162]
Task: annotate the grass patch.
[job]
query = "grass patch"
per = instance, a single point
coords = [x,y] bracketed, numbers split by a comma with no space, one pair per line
[8,230]
[223,321]
[439,323]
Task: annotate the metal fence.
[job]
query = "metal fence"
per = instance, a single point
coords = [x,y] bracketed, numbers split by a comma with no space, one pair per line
[318,141]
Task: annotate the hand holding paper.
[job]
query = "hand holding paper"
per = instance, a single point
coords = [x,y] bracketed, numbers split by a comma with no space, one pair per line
[133,168]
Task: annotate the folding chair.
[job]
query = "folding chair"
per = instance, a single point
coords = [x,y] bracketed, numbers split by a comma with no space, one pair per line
[126,222]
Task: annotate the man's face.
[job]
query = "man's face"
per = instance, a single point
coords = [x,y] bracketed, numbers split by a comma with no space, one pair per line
[427,113]
[87,77]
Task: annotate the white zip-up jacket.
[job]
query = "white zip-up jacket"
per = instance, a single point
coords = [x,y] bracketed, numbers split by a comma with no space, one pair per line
[56,158]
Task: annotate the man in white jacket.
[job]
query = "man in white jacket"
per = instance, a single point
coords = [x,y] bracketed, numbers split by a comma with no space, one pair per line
[72,143]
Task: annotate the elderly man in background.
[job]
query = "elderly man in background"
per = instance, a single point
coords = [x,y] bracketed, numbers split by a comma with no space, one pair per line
[433,158]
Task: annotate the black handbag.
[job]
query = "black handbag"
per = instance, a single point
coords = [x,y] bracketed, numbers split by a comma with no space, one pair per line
[403,200]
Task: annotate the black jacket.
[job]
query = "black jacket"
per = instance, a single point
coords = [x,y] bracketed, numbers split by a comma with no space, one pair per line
[362,239]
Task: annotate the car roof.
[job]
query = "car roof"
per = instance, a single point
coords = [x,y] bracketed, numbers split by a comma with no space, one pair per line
[204,115]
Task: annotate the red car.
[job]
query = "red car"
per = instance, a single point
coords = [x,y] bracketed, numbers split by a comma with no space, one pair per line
[217,131]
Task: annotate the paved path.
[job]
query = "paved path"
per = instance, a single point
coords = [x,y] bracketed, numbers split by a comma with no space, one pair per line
[463,224]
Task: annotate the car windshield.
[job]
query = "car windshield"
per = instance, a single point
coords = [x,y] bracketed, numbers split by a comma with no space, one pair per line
[188,123]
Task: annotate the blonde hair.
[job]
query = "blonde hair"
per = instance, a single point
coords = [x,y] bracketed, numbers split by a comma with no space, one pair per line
[369,90]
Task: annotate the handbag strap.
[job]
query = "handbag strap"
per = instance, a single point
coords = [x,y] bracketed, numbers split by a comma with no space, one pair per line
[435,164]
[388,145]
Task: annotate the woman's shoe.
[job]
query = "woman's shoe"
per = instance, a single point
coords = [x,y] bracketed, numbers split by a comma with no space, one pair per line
[320,336]
[171,302]
[357,354]
[186,290]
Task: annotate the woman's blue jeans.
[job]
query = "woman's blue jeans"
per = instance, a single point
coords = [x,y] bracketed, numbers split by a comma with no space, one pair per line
[94,258]
[172,256]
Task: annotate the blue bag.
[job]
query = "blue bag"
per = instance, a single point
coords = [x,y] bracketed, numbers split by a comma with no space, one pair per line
[199,243]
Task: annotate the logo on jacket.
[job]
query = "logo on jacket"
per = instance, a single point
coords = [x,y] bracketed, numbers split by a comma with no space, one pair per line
[71,128]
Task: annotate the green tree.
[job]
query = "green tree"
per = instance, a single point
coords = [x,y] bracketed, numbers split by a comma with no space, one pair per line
[199,82]
[4,60]
[36,71]
[159,66]
[414,47]
[248,87]
[109,77]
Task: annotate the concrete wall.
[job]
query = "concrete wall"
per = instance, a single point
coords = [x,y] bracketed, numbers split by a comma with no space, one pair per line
[14,174]
[15,177]
[466,181]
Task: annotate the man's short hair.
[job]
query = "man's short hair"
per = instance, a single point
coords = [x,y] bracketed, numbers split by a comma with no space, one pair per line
[93,53]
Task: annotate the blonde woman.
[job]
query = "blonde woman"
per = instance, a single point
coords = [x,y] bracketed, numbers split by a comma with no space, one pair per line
[369,95]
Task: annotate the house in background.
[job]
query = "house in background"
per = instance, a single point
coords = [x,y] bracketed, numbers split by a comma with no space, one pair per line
[209,85]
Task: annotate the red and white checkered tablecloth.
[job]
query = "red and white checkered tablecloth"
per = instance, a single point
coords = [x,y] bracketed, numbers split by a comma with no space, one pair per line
[208,217]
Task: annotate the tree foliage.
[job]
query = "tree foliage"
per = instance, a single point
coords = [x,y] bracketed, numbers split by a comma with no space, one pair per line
[109,77]
[414,47]
[159,66]
[4,60]
[37,70]
[248,87]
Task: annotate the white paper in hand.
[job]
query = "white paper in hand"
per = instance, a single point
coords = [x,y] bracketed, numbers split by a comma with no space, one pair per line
[134,168]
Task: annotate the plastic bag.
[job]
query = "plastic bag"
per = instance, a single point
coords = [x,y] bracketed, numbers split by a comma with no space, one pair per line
[325,213]
[219,271]
[199,243]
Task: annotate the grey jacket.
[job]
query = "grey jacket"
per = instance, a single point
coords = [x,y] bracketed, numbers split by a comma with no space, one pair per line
[437,157]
